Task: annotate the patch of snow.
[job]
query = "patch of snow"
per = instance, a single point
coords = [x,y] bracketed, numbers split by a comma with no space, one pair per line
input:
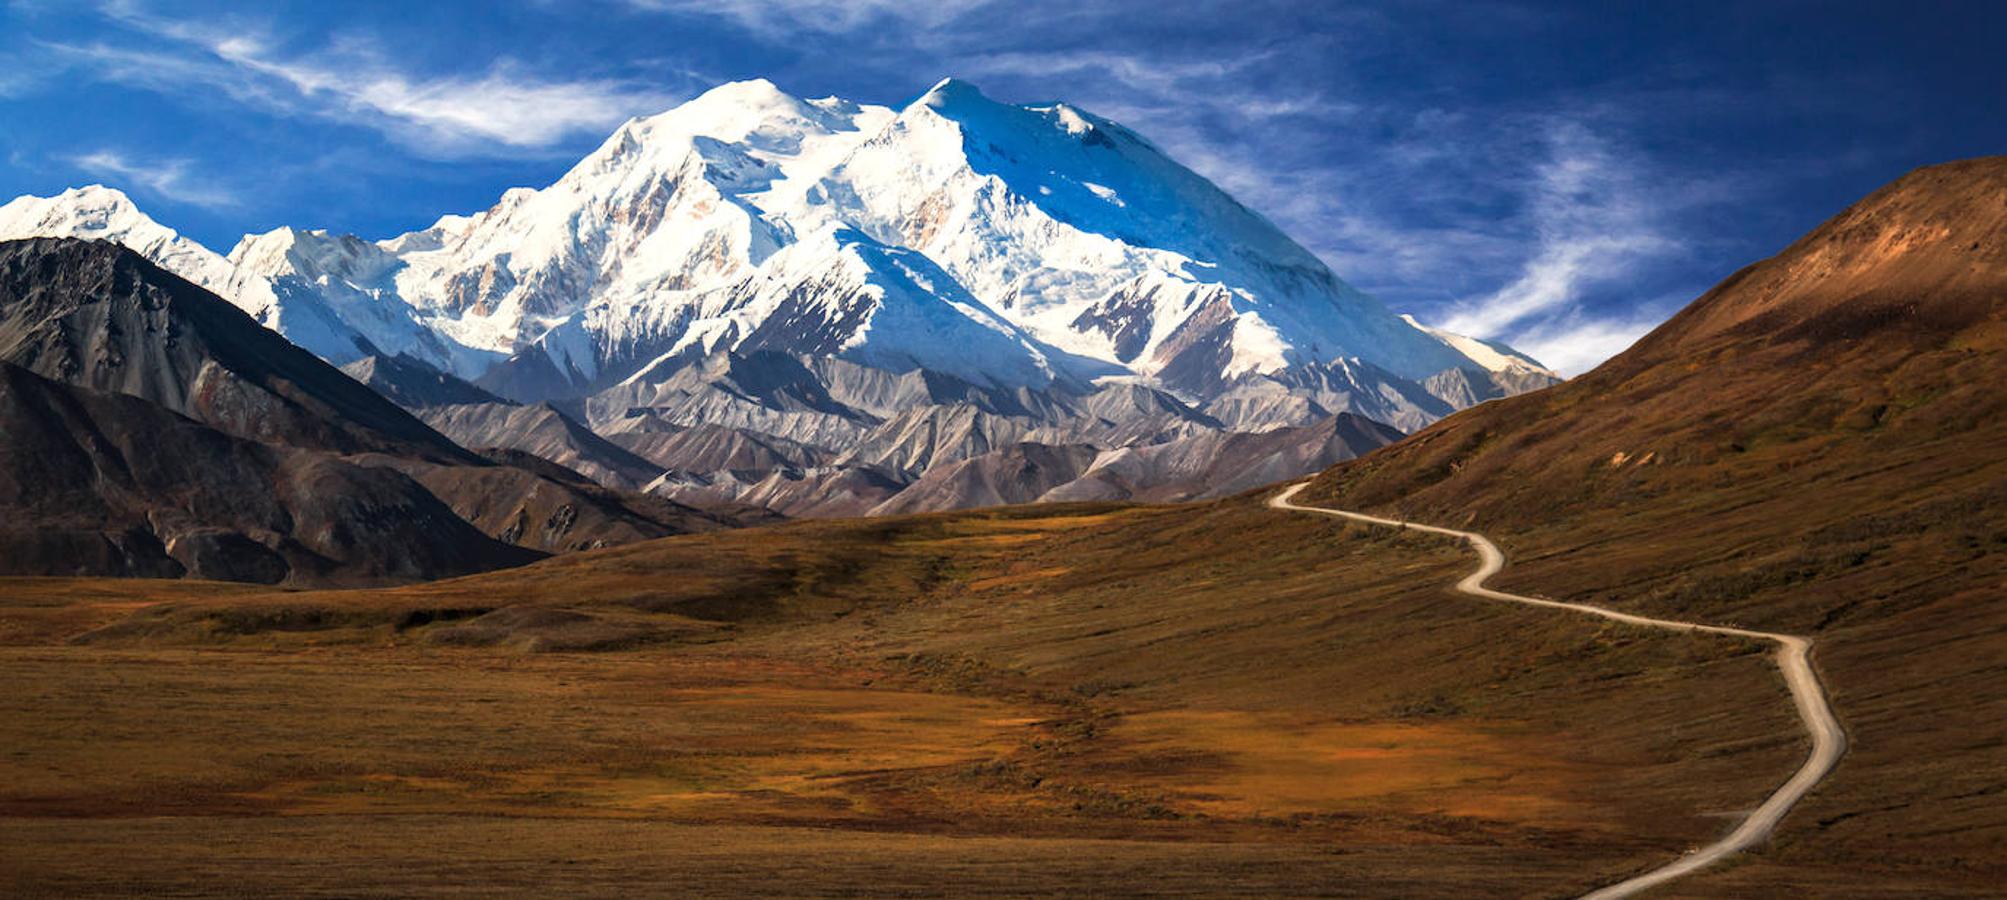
[1492,356]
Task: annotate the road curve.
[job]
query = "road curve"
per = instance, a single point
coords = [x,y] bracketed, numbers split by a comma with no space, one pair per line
[1829,741]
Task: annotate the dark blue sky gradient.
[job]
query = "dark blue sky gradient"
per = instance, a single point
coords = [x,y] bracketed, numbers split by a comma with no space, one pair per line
[1558,175]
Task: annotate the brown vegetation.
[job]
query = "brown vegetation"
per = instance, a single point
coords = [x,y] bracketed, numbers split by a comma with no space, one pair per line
[1088,681]
[1815,446]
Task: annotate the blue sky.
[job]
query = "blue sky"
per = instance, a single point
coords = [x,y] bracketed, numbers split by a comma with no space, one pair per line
[1561,176]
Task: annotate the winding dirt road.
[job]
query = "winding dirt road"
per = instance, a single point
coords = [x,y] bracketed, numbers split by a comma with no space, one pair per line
[1829,741]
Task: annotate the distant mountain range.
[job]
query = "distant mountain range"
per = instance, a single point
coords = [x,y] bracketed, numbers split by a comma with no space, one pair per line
[881,291]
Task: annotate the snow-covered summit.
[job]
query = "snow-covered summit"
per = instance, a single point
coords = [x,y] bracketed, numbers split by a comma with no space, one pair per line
[1492,356]
[96,212]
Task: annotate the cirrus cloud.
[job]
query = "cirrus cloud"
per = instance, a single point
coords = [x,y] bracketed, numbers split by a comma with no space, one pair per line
[165,178]
[503,108]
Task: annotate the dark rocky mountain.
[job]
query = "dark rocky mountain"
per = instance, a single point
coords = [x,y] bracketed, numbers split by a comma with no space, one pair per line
[97,315]
[529,501]
[96,483]
[150,428]
[476,419]
[412,383]
[714,448]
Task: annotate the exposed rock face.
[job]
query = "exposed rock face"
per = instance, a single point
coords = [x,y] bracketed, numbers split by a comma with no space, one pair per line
[412,384]
[97,315]
[828,437]
[1216,464]
[820,492]
[1019,473]
[149,428]
[544,431]
[100,483]
[1202,465]
[713,448]
[536,504]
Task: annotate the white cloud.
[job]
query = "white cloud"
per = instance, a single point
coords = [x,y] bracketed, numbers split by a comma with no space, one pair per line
[1575,343]
[1159,80]
[503,108]
[1592,219]
[18,76]
[168,179]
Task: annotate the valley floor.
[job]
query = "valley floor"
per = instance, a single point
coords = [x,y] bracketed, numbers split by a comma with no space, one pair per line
[1205,700]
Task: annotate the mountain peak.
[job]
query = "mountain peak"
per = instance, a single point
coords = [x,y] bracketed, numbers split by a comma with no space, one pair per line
[88,206]
[756,113]
[97,212]
[751,91]
[98,195]
[1058,242]
[949,91]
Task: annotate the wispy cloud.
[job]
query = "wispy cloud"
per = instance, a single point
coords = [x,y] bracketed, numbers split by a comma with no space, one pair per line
[1575,342]
[167,179]
[17,76]
[503,106]
[1593,217]
[1156,79]
[773,18]
[506,107]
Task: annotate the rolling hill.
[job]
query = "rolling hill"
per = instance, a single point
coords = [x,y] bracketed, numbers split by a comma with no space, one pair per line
[1814,446]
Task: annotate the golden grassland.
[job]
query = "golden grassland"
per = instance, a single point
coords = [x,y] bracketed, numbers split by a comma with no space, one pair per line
[1204,700]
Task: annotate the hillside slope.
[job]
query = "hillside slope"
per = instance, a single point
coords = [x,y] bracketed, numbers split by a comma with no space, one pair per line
[1814,446]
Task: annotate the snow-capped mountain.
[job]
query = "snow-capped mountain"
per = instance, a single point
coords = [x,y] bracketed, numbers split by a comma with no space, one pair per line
[879,293]
[1010,245]
[101,213]
[325,293]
